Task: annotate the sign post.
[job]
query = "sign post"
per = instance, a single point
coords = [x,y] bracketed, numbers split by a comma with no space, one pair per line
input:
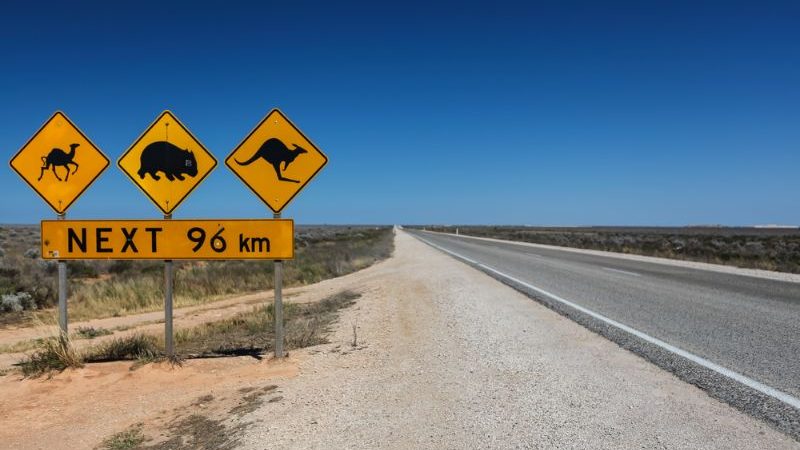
[169,344]
[62,293]
[278,306]
[52,172]
[276,161]
[167,169]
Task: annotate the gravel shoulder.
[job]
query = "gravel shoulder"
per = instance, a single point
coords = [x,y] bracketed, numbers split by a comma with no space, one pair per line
[448,357]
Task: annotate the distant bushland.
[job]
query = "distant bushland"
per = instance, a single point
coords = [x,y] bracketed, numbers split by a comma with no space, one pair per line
[776,249]
[115,288]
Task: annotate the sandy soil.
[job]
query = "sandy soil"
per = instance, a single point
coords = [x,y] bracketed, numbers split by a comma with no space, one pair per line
[79,408]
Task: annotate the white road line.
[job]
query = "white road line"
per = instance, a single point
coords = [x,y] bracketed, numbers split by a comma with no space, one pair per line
[624,272]
[747,381]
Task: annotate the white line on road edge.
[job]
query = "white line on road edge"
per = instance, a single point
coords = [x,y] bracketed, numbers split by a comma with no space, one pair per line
[760,387]
[624,272]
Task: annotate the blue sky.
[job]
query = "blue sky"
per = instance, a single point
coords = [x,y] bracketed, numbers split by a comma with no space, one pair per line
[568,113]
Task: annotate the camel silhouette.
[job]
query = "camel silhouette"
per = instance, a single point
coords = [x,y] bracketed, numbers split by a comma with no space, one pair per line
[58,157]
[275,152]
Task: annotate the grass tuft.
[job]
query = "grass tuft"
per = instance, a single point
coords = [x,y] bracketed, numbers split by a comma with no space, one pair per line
[139,347]
[91,332]
[55,354]
[125,440]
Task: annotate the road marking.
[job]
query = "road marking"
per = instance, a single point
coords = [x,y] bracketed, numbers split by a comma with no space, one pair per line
[724,371]
[624,272]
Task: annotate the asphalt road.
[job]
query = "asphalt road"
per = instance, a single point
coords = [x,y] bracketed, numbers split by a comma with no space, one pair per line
[748,325]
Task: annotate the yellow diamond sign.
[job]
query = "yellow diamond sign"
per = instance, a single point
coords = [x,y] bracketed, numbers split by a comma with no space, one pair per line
[276,161]
[59,162]
[167,162]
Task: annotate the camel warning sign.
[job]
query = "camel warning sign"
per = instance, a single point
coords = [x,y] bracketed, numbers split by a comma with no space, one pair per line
[59,162]
[167,162]
[276,160]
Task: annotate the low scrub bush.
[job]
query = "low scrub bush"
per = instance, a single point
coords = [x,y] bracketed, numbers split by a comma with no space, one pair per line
[92,332]
[20,301]
[757,248]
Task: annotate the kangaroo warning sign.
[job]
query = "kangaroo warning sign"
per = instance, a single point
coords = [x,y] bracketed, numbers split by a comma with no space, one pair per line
[276,160]
[59,162]
[167,162]
[168,239]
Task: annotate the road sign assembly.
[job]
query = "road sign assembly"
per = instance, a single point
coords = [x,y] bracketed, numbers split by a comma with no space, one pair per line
[167,162]
[276,161]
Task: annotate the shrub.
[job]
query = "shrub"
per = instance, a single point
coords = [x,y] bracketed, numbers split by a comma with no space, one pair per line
[20,301]
[81,269]
[92,332]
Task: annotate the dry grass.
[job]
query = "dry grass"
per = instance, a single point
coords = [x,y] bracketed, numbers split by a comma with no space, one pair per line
[116,288]
[140,347]
[54,355]
[124,440]
[251,333]
[304,324]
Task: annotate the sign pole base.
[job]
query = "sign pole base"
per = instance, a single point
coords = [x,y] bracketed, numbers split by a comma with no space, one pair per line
[278,305]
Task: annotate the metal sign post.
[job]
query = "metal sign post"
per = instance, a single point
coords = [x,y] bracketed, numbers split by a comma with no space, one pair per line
[278,144]
[62,292]
[169,344]
[278,305]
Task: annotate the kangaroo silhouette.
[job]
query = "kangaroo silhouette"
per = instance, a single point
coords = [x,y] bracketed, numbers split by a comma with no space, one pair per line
[275,152]
[58,157]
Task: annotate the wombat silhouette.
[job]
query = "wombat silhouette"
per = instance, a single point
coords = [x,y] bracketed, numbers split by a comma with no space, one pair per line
[58,157]
[275,152]
[161,156]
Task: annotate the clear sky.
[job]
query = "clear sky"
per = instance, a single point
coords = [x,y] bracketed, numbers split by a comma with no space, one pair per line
[559,112]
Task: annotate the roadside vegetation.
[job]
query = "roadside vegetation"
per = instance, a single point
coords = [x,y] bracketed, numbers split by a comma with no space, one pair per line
[775,249]
[97,289]
[251,333]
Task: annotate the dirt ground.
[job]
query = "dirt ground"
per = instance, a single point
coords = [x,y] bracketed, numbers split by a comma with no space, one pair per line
[80,408]
[433,355]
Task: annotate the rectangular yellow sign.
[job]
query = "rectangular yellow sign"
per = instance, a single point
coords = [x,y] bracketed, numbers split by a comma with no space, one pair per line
[168,239]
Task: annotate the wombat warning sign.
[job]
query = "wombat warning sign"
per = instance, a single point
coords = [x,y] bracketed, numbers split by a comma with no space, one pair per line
[167,162]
